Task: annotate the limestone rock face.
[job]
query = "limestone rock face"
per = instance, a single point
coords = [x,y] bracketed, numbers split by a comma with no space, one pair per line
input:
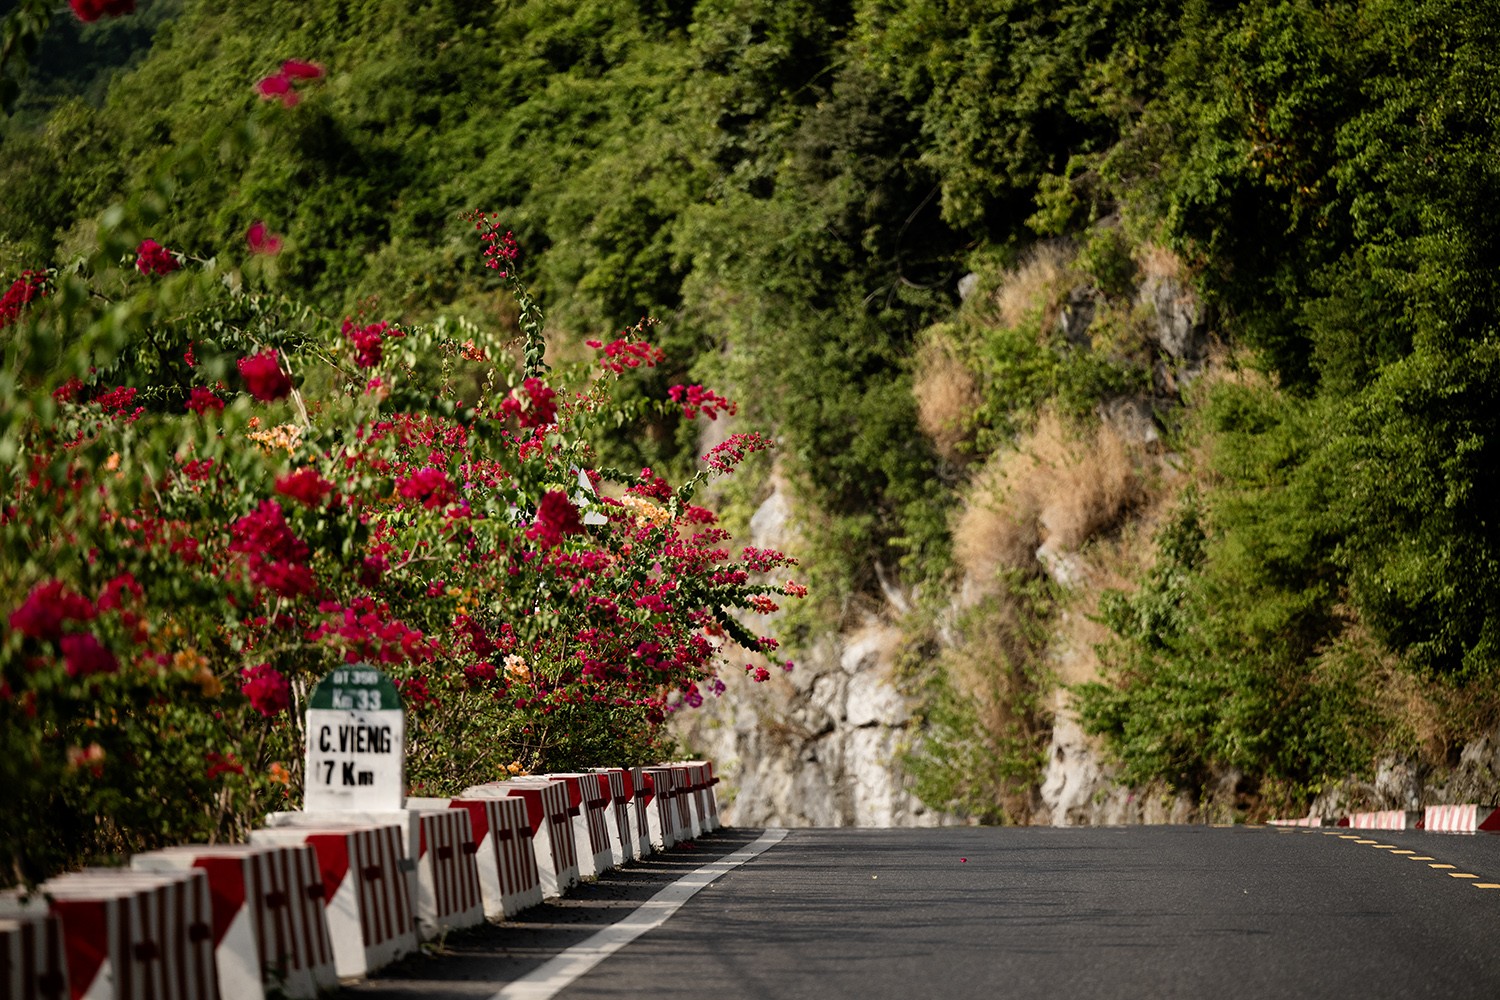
[1180,329]
[816,747]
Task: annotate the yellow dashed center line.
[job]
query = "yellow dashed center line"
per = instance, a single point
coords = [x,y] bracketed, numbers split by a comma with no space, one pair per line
[1485,885]
[1419,857]
[1440,866]
[1461,875]
[1348,836]
[1403,852]
[1366,842]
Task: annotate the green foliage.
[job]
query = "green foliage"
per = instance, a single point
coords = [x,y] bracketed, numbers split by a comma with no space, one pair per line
[794,187]
[983,719]
[1422,457]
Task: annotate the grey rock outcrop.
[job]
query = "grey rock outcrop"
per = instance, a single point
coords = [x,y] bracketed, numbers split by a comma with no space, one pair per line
[819,746]
[1180,327]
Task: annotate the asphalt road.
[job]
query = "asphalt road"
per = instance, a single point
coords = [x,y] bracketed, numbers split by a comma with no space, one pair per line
[1139,912]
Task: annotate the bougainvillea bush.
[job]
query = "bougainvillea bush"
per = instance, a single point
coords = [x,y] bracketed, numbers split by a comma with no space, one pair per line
[212,496]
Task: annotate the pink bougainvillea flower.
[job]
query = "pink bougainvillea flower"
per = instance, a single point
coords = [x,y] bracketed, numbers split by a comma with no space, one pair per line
[276,557]
[153,258]
[695,399]
[532,404]
[500,248]
[202,399]
[415,694]
[47,607]
[221,763]
[268,690]
[368,341]
[305,486]
[429,485]
[69,390]
[263,376]
[278,87]
[620,354]
[30,285]
[89,11]
[261,240]
[555,518]
[83,655]
[296,69]
[114,594]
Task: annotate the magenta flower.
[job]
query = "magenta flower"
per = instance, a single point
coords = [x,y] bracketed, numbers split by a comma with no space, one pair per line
[263,376]
[47,607]
[555,517]
[429,485]
[84,656]
[201,400]
[153,258]
[278,87]
[269,691]
[305,486]
[533,404]
[261,240]
[368,341]
[89,11]
[296,69]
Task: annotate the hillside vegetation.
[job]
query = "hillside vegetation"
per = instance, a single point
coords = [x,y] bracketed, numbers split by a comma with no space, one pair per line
[1273,545]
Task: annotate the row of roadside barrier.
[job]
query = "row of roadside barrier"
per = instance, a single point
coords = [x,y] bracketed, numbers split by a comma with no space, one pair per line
[316,897]
[1470,818]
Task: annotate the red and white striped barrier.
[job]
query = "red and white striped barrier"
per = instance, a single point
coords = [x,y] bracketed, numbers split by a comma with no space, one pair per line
[269,931]
[703,779]
[614,782]
[366,892]
[134,935]
[661,811]
[32,966]
[506,861]
[1304,821]
[448,893]
[586,805]
[708,781]
[640,809]
[551,827]
[1461,819]
[682,799]
[443,884]
[1385,819]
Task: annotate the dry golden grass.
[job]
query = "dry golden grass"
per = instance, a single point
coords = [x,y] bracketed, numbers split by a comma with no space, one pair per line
[997,528]
[1156,261]
[1061,484]
[1036,284]
[947,394]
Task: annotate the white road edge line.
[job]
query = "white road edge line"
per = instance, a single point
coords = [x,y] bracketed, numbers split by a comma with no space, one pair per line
[554,975]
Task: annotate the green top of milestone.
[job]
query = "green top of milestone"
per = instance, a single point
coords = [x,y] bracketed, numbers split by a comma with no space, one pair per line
[357,687]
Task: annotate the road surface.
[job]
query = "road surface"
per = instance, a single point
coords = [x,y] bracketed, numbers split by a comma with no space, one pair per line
[1135,912]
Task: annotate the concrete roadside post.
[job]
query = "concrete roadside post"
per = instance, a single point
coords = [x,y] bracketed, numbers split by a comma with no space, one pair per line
[551,827]
[31,957]
[586,807]
[617,811]
[130,934]
[661,813]
[269,932]
[508,876]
